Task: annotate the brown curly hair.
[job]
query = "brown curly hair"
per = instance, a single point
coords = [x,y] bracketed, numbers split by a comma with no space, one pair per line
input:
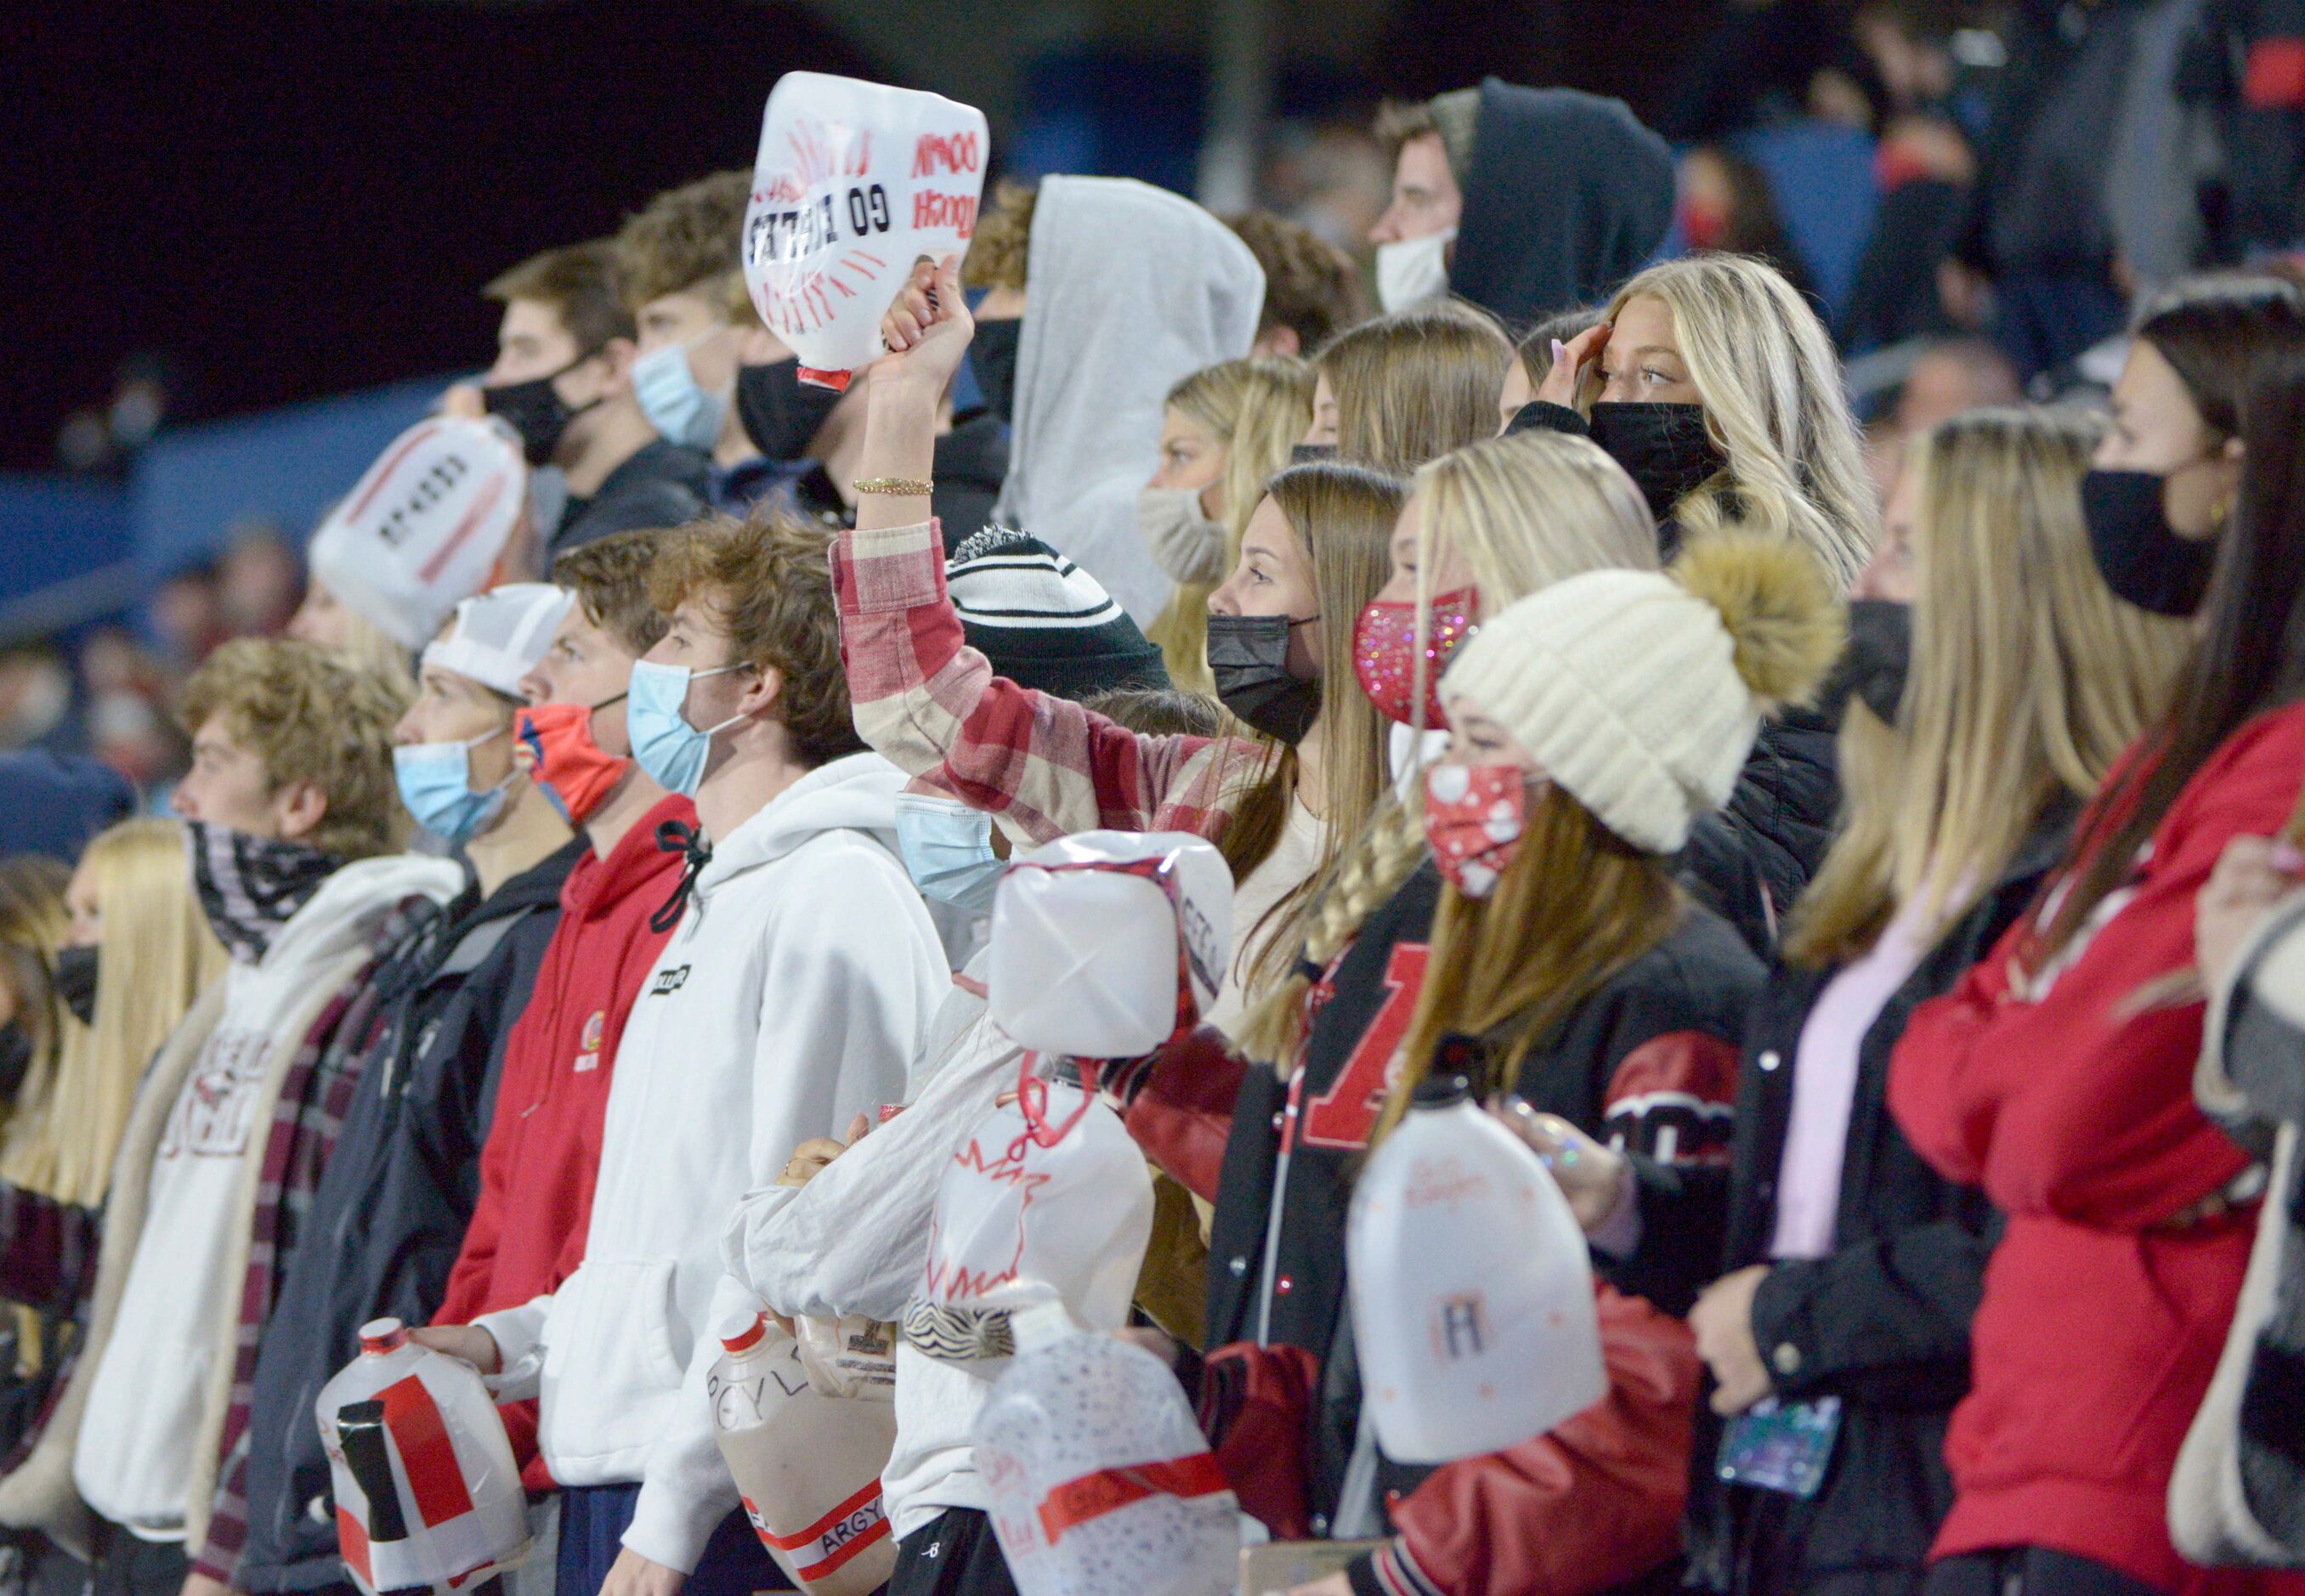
[1311,286]
[310,715]
[688,240]
[767,583]
[998,257]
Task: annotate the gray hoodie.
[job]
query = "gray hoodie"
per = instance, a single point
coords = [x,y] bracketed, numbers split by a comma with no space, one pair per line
[1130,289]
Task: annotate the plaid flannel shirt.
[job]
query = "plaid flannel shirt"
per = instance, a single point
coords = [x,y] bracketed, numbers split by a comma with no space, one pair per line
[930,704]
[315,1096]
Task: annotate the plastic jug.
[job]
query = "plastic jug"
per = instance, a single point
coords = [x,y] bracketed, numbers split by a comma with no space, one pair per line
[853,183]
[1472,1291]
[808,1464]
[1049,1200]
[427,1492]
[425,526]
[1106,944]
[1101,1483]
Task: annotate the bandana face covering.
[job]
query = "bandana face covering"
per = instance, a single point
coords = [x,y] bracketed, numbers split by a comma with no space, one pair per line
[1385,653]
[250,887]
[1474,817]
[564,762]
[1666,451]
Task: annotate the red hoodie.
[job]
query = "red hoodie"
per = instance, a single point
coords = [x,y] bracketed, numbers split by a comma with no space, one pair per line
[2103,1313]
[543,1150]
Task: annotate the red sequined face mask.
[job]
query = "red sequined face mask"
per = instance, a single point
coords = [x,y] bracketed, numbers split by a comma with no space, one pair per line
[1385,653]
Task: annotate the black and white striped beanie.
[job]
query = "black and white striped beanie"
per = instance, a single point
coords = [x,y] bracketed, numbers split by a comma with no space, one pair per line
[1043,621]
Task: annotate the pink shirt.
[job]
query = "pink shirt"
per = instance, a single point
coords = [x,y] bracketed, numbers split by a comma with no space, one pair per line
[1824,1087]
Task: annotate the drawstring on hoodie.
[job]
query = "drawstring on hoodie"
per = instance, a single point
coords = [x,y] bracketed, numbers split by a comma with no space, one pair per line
[678,837]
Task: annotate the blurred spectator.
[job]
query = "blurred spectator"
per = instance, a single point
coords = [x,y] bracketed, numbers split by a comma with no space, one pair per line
[1333,179]
[129,733]
[36,701]
[260,583]
[187,615]
[2245,68]
[1725,204]
[146,396]
[1312,288]
[53,805]
[2087,185]
[1924,167]
[1951,376]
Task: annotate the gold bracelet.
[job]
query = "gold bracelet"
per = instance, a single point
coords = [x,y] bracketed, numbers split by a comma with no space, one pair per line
[900,486]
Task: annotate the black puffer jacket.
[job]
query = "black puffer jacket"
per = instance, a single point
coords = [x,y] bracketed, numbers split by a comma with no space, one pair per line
[1882,1323]
[391,1210]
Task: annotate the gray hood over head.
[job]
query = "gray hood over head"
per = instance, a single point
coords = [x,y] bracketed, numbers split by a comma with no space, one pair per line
[1130,289]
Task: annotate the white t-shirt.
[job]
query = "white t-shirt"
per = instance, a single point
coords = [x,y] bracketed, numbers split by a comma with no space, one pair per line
[1287,867]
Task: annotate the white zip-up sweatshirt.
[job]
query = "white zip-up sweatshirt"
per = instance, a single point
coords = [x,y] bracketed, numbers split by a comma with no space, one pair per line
[791,997]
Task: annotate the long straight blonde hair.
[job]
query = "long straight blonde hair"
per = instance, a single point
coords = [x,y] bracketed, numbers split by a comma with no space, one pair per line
[1765,371]
[155,956]
[1412,386]
[1343,517]
[2027,679]
[1522,513]
[1254,410]
[1576,904]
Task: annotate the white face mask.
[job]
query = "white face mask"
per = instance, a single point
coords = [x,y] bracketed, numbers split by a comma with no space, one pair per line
[1184,543]
[1413,270]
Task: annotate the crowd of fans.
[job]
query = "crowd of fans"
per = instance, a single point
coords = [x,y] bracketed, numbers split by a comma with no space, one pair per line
[1862,862]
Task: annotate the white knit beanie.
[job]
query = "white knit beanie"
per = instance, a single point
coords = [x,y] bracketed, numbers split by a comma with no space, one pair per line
[1640,693]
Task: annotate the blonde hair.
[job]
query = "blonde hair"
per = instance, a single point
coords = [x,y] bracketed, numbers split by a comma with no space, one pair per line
[1343,517]
[1412,386]
[1576,904]
[1766,370]
[1522,511]
[2028,680]
[156,955]
[1254,410]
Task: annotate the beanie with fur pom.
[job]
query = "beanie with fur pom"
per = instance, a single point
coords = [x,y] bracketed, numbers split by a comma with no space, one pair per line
[1641,693]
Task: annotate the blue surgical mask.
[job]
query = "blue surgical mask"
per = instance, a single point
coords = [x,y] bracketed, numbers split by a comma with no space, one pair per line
[435,784]
[671,750]
[682,412]
[947,848]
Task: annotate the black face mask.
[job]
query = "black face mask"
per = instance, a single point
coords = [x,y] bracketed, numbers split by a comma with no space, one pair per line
[535,410]
[1872,669]
[15,1059]
[781,415]
[1664,449]
[994,353]
[2142,559]
[1248,656]
[1307,453]
[76,982]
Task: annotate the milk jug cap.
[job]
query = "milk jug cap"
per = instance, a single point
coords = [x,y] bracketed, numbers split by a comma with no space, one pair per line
[381,1336]
[741,1329]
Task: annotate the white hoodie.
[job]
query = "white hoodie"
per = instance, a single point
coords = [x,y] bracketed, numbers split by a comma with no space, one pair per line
[152,1402]
[790,998]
